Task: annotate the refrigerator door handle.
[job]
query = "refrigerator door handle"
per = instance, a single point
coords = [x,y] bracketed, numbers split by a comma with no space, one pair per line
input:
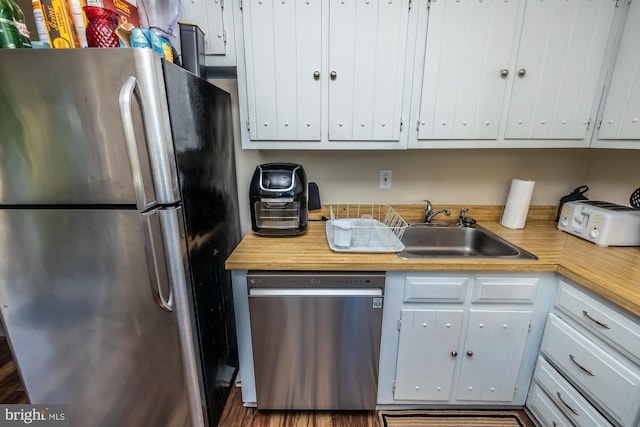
[129,89]
[171,221]
[159,276]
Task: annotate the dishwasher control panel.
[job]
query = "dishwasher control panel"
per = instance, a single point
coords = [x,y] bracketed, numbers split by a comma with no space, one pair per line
[320,279]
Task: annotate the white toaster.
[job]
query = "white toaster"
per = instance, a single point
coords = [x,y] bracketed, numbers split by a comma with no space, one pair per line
[603,223]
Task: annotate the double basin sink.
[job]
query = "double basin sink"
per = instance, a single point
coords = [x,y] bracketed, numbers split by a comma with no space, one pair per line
[456,241]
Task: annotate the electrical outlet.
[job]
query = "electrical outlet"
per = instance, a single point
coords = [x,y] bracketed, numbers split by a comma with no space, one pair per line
[385,179]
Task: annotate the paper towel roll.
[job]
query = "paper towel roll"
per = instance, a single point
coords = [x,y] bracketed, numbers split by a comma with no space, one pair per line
[517,206]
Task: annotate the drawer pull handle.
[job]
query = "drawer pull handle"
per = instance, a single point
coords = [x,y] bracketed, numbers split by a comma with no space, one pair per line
[585,370]
[565,404]
[597,322]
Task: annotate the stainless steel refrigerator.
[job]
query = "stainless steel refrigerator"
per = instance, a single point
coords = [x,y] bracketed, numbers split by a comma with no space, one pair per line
[118,208]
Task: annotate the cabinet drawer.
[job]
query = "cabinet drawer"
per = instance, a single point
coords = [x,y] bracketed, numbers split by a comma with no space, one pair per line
[619,330]
[435,289]
[545,410]
[505,289]
[570,402]
[606,379]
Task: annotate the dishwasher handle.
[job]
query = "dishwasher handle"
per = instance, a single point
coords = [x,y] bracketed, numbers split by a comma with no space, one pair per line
[315,292]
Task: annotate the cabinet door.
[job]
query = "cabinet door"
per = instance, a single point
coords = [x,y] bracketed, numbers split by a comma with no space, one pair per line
[468,53]
[208,16]
[283,47]
[621,118]
[429,341]
[560,58]
[492,354]
[367,46]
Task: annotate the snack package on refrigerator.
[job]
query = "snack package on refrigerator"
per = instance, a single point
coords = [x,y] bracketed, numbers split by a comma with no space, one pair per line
[142,37]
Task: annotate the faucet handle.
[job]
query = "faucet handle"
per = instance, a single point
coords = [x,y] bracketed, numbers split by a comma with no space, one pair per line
[462,220]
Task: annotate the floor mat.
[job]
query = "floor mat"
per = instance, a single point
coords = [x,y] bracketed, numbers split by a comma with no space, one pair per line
[441,418]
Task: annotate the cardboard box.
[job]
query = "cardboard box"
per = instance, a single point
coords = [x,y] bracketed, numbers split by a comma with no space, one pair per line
[59,23]
[127,10]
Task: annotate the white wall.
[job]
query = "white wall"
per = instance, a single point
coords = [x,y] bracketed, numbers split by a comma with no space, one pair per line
[460,177]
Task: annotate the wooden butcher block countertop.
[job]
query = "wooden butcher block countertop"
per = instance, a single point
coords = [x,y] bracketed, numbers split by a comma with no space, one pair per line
[612,272]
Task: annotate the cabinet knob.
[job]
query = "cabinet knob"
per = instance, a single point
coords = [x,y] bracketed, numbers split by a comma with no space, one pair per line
[454,353]
[522,72]
[504,72]
[316,75]
[333,75]
[469,353]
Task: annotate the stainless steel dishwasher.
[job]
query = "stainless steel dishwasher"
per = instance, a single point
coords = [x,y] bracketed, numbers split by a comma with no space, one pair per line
[316,338]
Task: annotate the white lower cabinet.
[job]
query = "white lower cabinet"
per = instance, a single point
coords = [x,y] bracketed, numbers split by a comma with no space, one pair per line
[545,411]
[554,399]
[461,338]
[492,354]
[425,371]
[583,368]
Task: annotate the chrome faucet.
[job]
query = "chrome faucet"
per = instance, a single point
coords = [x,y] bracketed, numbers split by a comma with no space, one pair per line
[429,213]
[465,220]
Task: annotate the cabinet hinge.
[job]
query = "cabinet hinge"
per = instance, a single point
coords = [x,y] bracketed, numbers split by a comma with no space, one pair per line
[515,390]
[399,324]
[248,125]
[589,123]
[224,37]
[393,388]
[240,4]
[428,4]
[401,124]
[221,4]
[530,326]
[409,4]
[600,123]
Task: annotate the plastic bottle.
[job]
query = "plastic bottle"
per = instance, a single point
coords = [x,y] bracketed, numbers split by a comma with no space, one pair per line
[21,25]
[41,26]
[9,36]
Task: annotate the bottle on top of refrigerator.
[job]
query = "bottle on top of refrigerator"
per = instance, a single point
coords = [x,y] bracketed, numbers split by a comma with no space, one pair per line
[20,24]
[9,36]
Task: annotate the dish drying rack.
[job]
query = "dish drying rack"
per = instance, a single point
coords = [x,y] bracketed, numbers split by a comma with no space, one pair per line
[375,227]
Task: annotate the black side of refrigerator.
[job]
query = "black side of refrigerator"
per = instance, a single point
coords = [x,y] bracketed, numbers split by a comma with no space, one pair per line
[201,123]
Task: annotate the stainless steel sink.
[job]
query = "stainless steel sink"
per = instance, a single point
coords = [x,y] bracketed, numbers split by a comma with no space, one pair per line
[453,241]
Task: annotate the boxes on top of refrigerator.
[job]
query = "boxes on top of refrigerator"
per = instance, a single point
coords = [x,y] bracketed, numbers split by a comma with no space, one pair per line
[59,24]
[127,10]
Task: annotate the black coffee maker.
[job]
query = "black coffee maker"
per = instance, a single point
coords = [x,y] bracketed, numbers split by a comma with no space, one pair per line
[278,198]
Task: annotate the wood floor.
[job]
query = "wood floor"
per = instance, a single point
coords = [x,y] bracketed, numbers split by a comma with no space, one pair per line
[235,415]
[11,388]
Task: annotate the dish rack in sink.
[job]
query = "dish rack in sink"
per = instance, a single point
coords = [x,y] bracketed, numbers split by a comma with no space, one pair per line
[374,227]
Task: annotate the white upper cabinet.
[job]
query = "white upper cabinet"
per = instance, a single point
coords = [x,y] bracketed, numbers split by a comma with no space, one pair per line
[215,19]
[561,54]
[367,47]
[509,73]
[621,116]
[283,51]
[324,74]
[466,67]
